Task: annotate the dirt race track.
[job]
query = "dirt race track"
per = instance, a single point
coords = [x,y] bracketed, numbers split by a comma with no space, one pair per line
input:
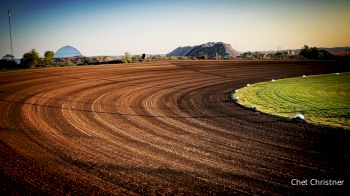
[159,128]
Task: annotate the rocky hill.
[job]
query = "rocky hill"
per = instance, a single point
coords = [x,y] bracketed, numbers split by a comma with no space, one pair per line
[210,49]
[180,51]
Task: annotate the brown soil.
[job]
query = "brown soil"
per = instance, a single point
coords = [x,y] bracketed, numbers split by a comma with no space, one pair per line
[160,128]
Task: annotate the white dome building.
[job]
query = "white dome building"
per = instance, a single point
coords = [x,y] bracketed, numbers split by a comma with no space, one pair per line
[67,51]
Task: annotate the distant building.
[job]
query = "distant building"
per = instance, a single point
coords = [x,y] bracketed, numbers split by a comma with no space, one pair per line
[67,51]
[290,52]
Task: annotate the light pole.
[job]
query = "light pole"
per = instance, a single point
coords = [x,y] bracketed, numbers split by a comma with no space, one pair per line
[9,14]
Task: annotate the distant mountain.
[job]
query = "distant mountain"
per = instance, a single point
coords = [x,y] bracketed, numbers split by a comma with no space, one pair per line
[335,49]
[210,49]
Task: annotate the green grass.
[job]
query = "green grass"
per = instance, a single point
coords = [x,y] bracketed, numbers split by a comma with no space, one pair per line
[322,99]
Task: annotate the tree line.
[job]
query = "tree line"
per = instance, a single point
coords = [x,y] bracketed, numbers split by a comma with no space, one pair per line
[30,59]
[314,53]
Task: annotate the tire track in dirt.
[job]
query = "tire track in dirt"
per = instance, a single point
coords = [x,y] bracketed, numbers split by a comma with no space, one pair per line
[161,128]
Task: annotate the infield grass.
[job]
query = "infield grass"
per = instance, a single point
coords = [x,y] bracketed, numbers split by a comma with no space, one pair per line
[322,99]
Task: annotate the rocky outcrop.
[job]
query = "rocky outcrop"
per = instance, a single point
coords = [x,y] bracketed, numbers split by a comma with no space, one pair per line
[211,49]
[180,51]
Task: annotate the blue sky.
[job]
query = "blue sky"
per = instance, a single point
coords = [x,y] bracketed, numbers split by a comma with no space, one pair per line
[159,26]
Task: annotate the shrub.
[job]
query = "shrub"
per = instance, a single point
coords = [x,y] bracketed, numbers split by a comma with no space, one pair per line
[9,64]
[68,62]
[48,60]
[30,59]
[172,58]
[85,61]
[118,61]
[49,54]
[315,54]
[136,58]
[127,58]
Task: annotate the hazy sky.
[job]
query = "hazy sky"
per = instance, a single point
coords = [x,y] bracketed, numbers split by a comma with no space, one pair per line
[159,26]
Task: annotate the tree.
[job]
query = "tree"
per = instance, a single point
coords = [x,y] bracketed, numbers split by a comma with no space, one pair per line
[49,54]
[304,51]
[309,53]
[248,55]
[86,60]
[48,60]
[30,59]
[136,58]
[313,53]
[127,58]
[253,55]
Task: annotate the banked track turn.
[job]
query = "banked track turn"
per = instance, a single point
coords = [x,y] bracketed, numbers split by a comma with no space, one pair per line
[166,127]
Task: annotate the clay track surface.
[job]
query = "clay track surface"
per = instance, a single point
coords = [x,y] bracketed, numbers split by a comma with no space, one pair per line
[159,128]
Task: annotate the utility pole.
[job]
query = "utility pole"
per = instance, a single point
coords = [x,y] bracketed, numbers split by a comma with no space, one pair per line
[9,14]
